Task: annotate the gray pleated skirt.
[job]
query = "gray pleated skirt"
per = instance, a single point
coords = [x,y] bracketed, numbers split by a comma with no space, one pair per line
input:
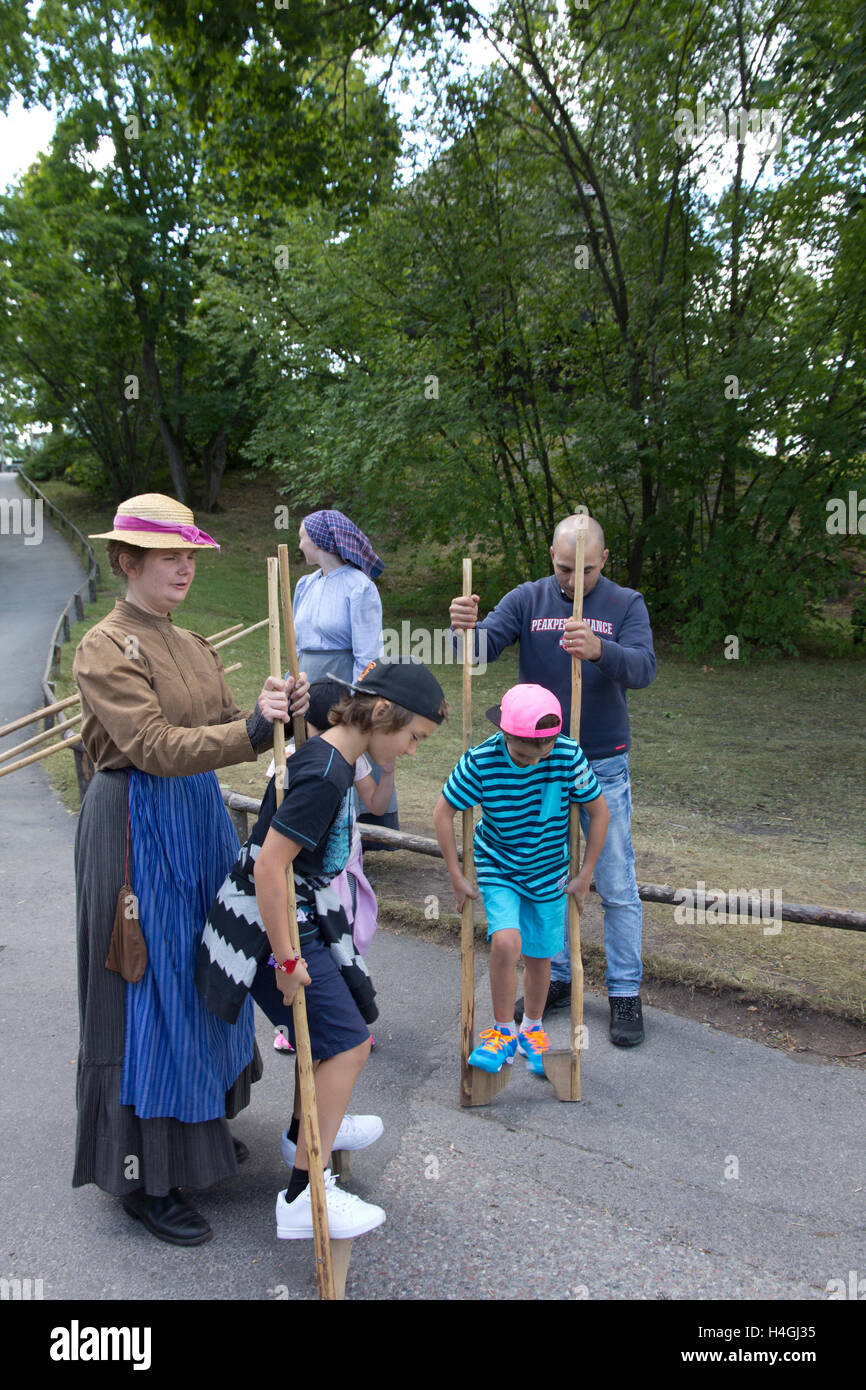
[113,1147]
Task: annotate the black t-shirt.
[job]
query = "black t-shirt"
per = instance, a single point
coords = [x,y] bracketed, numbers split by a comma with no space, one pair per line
[316,810]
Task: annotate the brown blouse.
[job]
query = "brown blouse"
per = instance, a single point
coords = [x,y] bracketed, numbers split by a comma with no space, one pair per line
[155,697]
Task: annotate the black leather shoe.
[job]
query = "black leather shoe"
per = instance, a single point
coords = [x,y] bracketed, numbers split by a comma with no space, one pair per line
[242,1153]
[169,1218]
[558,997]
[626,1020]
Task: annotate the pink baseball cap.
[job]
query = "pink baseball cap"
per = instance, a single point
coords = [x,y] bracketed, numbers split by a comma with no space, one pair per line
[521,709]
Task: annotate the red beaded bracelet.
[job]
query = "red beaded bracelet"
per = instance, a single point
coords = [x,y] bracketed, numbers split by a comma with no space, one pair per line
[285,965]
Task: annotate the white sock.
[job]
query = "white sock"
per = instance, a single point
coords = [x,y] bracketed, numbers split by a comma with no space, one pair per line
[508,1027]
[529,1025]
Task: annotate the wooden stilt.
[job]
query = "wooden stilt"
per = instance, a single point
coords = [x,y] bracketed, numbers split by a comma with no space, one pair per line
[477,1087]
[309,1114]
[299,728]
[562,1068]
[341,1164]
[341,1251]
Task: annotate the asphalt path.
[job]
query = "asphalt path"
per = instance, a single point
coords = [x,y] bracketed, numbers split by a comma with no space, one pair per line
[699,1166]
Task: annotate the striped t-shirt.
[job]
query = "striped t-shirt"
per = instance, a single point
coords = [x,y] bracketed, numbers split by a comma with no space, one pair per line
[522,837]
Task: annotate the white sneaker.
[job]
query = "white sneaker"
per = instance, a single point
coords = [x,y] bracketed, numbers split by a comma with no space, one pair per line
[356,1132]
[348,1216]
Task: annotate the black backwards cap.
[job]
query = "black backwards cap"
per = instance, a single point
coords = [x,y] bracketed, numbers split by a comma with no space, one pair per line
[406,682]
[324,694]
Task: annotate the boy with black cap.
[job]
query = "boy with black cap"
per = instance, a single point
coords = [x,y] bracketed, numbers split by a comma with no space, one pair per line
[387,711]
[524,778]
[352,886]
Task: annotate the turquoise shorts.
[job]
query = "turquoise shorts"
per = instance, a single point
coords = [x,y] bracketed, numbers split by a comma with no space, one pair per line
[541,925]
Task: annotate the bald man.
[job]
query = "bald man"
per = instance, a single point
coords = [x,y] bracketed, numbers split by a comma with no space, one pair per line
[614,641]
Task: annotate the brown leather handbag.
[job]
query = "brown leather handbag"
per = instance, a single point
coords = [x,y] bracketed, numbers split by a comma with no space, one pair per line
[127,949]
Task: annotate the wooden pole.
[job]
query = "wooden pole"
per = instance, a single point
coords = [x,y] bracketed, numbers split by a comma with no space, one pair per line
[47,710]
[576,959]
[566,1084]
[467,925]
[800,913]
[38,738]
[43,753]
[65,743]
[38,714]
[340,1249]
[477,1087]
[224,632]
[298,725]
[238,635]
[306,1078]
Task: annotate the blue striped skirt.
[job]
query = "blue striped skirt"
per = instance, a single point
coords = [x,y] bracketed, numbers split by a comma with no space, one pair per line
[179,1059]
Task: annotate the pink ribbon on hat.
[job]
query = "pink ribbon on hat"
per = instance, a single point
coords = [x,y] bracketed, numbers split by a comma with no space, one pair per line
[191,534]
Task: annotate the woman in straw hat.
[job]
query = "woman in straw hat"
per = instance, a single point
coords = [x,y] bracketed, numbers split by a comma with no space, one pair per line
[157,1073]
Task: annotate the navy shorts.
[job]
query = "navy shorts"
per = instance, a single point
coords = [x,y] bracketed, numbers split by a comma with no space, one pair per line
[334,1019]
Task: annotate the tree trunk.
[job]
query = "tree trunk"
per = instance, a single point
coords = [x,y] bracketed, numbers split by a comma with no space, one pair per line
[213,463]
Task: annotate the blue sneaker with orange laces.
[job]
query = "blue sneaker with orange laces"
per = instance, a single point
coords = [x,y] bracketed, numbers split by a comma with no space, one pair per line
[533,1045]
[494,1049]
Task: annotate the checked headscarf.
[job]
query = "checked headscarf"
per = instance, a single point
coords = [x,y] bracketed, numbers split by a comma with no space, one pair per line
[335,533]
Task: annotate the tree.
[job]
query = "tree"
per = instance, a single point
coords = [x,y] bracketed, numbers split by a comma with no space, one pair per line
[170,205]
[614,317]
[16,55]
[69,342]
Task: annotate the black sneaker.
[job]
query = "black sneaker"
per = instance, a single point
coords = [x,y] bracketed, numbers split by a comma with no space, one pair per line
[558,997]
[626,1020]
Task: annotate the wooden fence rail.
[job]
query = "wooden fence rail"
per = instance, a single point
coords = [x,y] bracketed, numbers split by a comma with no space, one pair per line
[240,807]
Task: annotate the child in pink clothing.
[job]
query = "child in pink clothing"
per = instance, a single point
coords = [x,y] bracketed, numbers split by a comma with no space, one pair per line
[352,887]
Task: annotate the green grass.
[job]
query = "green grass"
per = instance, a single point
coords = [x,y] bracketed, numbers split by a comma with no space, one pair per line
[745,777]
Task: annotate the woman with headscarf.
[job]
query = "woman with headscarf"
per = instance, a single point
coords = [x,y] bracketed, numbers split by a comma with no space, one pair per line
[338,612]
[157,1072]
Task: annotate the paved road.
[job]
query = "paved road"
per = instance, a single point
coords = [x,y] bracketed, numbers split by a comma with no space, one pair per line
[699,1166]
[36,581]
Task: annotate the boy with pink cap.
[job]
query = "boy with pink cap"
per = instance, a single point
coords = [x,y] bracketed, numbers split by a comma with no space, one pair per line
[524,778]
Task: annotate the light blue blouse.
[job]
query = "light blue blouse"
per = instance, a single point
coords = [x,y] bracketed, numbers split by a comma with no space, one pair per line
[339,611]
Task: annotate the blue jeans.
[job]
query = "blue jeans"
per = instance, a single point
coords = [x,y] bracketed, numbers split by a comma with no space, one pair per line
[617,886]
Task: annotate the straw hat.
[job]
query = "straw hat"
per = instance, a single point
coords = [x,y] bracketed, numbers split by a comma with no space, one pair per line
[166,524]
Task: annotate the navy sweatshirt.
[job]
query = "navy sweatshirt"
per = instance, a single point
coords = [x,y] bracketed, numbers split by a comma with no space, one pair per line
[534,615]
